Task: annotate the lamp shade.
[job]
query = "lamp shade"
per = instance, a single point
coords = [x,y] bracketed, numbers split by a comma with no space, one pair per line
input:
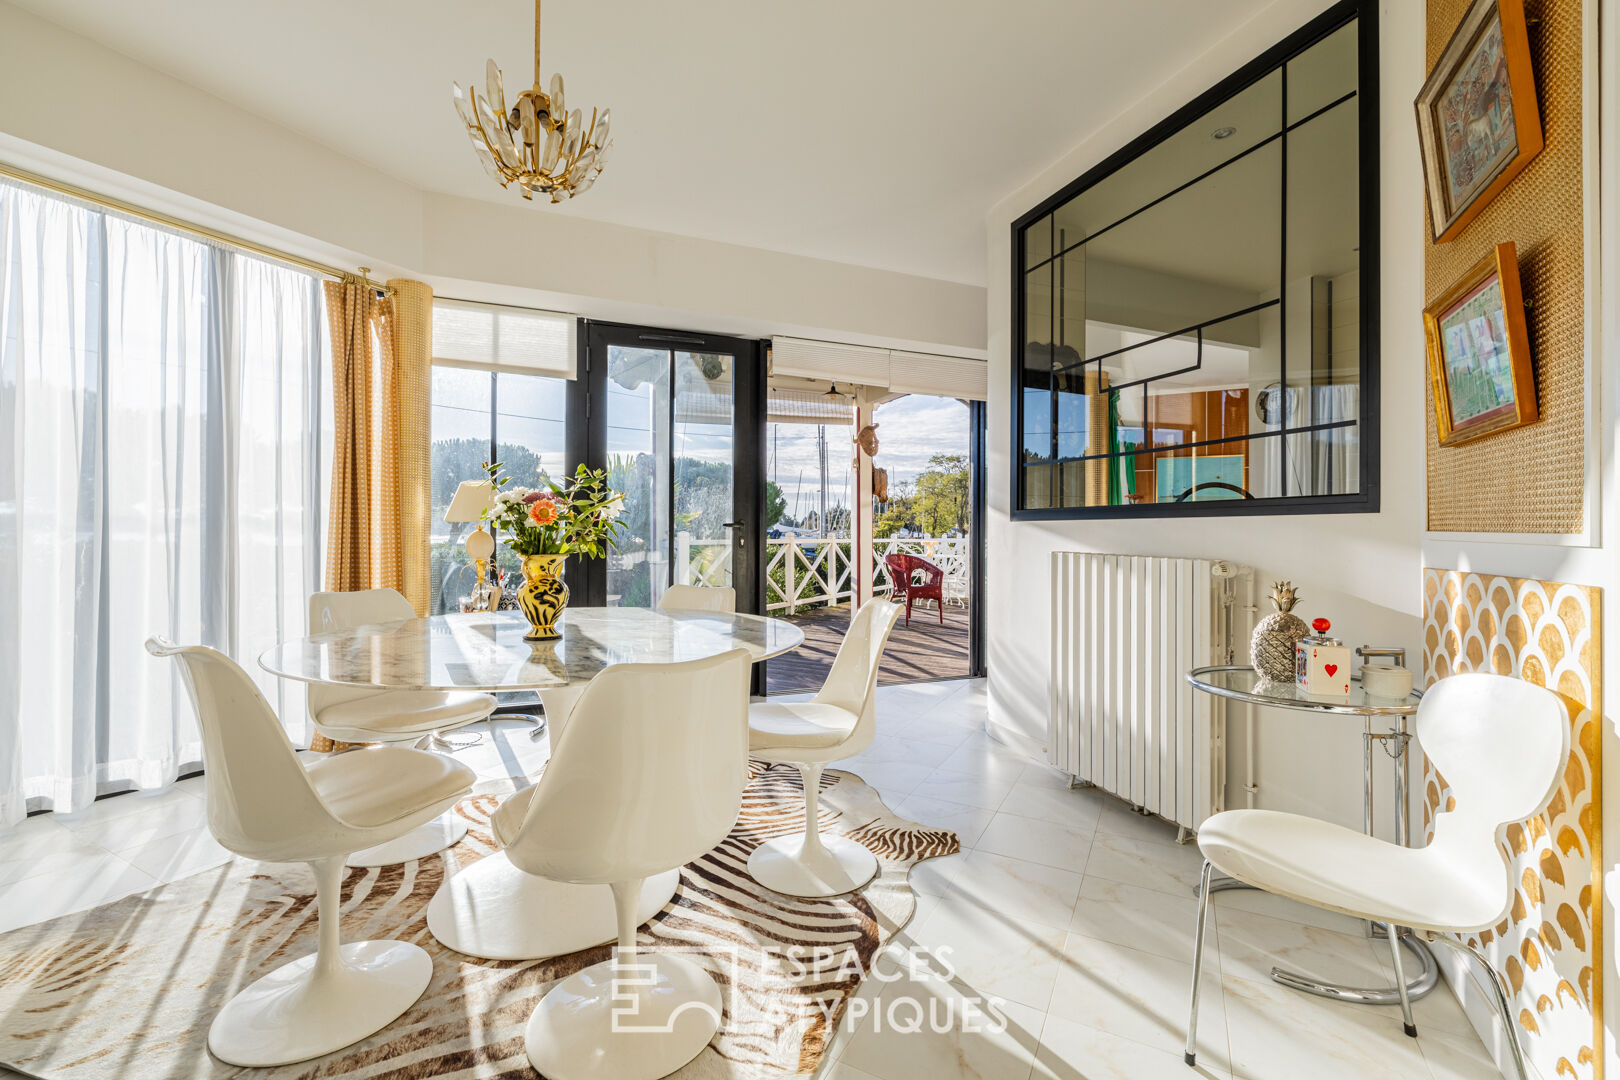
[472,498]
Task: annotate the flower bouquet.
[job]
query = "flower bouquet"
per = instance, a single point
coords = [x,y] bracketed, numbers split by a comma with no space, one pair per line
[579,516]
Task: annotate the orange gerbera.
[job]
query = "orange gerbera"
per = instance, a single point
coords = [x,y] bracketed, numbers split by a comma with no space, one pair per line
[543,512]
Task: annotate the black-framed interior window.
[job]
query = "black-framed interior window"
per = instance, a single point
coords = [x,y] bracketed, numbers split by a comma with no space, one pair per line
[1195,319]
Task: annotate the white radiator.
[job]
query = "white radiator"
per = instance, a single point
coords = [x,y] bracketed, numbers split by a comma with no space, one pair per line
[1126,629]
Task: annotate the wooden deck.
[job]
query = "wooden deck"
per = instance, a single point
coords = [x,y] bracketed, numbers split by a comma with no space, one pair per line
[924,650]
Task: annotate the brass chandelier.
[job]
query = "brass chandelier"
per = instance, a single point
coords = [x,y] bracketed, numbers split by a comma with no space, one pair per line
[536,144]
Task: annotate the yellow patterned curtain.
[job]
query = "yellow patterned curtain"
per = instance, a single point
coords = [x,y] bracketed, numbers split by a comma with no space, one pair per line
[377,531]
[381,352]
[359,478]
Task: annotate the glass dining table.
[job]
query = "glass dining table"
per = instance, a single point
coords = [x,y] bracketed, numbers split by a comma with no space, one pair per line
[490,908]
[1245,684]
[486,650]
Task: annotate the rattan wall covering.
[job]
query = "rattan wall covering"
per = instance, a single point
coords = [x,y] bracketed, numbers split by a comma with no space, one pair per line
[1529,479]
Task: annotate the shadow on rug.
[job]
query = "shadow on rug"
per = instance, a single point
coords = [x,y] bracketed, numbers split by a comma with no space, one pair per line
[127,990]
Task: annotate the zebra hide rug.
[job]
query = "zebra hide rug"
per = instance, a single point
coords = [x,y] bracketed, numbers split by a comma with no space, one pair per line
[126,991]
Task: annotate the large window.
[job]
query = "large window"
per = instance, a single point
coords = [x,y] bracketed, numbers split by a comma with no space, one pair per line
[479,416]
[162,404]
[1191,315]
[500,388]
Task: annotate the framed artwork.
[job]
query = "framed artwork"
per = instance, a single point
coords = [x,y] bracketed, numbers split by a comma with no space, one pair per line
[1479,352]
[1478,121]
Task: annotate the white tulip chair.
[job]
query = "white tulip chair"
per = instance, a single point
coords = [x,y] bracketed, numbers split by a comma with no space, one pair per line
[1502,745]
[355,714]
[720,599]
[264,804]
[839,723]
[647,776]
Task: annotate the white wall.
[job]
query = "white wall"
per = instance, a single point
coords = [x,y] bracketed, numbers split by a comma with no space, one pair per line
[1362,571]
[76,111]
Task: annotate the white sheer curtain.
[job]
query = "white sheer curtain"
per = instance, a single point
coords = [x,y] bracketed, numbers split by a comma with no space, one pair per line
[160,413]
[1319,462]
[1334,455]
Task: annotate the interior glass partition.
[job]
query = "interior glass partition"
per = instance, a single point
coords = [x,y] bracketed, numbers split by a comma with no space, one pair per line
[1190,314]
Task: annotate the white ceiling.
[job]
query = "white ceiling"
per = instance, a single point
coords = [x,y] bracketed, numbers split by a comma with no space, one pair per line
[874,132]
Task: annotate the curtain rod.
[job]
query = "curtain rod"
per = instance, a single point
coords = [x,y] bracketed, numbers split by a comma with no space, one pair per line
[180,224]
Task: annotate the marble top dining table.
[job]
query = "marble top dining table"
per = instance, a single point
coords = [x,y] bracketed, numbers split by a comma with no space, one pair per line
[486,650]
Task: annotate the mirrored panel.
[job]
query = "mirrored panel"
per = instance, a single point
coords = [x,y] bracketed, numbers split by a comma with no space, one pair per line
[1190,317]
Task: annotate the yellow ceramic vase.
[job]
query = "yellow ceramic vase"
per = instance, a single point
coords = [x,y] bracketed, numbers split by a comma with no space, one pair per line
[543,596]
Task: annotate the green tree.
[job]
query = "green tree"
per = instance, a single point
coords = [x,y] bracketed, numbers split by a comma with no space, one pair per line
[942,494]
[900,513]
[703,500]
[455,460]
[775,503]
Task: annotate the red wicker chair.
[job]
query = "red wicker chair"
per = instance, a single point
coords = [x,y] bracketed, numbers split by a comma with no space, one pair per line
[902,569]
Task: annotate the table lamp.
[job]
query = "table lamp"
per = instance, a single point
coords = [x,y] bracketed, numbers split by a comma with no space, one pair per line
[472,498]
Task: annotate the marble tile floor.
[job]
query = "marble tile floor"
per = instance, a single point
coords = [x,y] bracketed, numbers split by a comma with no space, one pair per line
[1066,915]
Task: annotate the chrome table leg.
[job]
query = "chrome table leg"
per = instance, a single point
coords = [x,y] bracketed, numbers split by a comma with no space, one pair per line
[539,722]
[1222,883]
[1190,1054]
[1417,987]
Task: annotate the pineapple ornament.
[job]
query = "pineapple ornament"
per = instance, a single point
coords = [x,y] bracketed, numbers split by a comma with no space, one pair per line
[1271,649]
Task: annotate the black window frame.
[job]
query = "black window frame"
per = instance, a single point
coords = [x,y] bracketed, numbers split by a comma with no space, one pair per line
[1364,501]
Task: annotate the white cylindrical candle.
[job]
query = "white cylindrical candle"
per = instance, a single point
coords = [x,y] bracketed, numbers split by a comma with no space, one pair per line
[1386,680]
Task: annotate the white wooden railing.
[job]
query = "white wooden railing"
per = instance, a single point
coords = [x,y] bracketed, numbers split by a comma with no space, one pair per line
[806,572]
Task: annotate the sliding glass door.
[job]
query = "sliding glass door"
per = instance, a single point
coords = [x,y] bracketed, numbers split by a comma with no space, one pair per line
[675,421]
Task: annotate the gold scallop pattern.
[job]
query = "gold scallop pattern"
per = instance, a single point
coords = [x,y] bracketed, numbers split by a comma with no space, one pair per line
[1547,633]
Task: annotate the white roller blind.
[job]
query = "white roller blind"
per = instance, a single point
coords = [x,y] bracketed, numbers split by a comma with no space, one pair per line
[829,360]
[809,407]
[942,376]
[891,369]
[494,337]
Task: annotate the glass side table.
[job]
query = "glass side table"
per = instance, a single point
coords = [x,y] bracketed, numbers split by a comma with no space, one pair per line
[1244,684]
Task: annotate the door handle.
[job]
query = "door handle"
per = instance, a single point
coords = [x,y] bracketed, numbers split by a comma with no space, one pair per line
[732,524]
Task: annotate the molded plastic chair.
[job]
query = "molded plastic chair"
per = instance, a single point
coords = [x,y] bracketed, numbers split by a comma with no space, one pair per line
[721,598]
[838,723]
[1502,745]
[358,715]
[263,804]
[647,776]
[902,567]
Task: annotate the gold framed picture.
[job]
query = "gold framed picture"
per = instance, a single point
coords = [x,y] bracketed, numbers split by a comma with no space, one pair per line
[1479,352]
[1478,120]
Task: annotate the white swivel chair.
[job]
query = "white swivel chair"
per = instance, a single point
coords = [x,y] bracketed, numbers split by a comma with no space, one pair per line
[646,776]
[263,804]
[719,598]
[1502,745]
[838,723]
[358,715]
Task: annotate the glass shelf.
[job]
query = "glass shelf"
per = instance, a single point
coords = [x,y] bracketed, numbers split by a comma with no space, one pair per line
[1244,684]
